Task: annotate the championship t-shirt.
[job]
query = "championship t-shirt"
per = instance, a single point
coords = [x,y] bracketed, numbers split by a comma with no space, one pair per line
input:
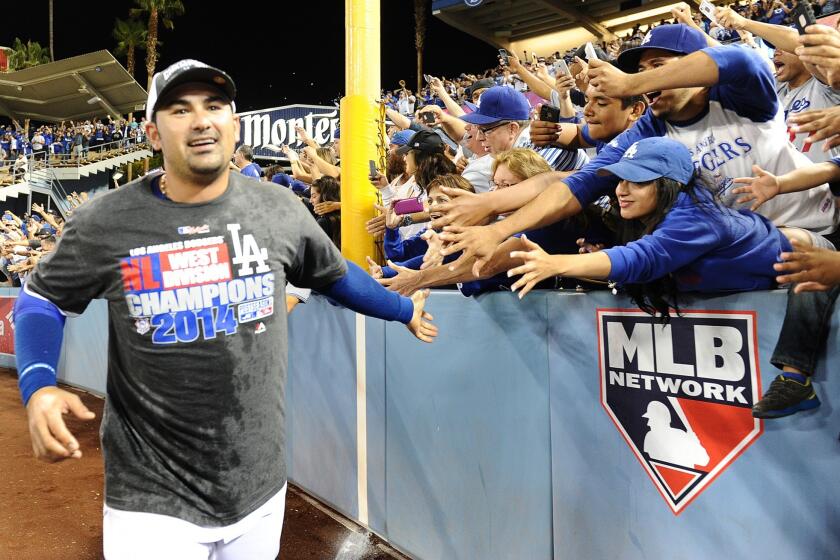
[194,423]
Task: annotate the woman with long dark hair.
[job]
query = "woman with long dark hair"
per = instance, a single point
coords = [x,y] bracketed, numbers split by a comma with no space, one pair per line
[678,239]
[328,189]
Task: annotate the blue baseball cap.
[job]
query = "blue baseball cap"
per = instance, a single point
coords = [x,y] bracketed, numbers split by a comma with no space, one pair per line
[675,38]
[652,158]
[500,103]
[401,137]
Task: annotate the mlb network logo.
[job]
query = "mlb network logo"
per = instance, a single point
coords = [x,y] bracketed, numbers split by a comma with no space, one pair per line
[681,394]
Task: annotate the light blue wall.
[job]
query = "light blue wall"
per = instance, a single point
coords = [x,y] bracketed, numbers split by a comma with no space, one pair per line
[493,443]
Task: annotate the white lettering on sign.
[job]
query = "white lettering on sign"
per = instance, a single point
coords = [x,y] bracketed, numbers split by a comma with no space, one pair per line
[716,350]
[639,344]
[258,130]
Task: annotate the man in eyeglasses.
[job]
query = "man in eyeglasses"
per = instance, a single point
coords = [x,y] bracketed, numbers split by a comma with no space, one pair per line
[501,122]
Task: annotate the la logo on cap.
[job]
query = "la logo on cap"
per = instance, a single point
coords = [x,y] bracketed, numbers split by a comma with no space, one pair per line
[646,40]
[631,151]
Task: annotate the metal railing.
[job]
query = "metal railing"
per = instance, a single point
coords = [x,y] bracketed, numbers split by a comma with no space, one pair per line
[80,155]
[16,171]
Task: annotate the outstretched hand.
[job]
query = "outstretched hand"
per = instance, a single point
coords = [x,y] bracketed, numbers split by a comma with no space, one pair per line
[811,268]
[823,124]
[420,325]
[432,256]
[476,241]
[374,269]
[759,189]
[538,266]
[608,79]
[405,282]
[463,209]
[51,440]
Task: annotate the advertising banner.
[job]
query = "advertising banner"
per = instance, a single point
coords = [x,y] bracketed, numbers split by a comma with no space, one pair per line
[273,128]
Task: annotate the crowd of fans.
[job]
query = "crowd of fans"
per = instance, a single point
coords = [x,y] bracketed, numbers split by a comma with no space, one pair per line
[673,161]
[70,142]
[25,240]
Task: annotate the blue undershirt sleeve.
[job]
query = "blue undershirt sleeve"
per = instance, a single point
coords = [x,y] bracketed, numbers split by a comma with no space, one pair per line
[39,331]
[358,292]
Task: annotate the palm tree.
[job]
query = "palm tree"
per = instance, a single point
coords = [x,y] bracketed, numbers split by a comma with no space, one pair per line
[419,38]
[130,34]
[159,11]
[27,55]
[52,37]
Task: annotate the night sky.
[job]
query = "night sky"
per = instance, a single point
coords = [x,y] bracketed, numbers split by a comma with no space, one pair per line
[278,53]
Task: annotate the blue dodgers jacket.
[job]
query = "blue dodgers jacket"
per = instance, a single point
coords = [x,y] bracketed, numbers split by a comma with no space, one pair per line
[707,249]
[398,249]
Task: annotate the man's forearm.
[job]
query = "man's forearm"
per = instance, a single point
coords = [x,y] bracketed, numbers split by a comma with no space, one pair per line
[454,109]
[556,202]
[326,168]
[398,119]
[694,70]
[453,127]
[535,84]
[808,177]
[567,108]
[514,198]
[500,262]
[783,38]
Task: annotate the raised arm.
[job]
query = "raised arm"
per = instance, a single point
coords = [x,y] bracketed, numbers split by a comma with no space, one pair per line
[454,109]
[535,84]
[783,38]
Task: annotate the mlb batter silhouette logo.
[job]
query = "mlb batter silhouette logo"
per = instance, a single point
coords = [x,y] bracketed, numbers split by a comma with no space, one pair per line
[681,393]
[664,443]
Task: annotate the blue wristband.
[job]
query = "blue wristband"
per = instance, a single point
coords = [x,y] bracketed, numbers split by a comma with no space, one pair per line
[35,377]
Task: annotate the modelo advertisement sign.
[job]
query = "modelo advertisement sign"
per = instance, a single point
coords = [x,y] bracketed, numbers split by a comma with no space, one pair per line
[276,127]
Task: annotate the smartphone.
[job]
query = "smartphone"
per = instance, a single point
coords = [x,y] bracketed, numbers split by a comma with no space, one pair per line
[590,52]
[560,67]
[803,16]
[708,10]
[428,117]
[373,171]
[407,206]
[503,54]
[549,114]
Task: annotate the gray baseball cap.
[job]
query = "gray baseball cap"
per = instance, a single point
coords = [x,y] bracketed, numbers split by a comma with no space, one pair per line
[185,71]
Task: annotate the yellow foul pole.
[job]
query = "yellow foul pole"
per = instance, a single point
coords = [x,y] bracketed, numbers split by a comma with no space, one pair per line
[358,126]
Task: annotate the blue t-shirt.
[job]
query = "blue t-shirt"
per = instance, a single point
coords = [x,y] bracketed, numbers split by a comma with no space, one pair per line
[252,170]
[706,248]
[398,249]
[298,187]
[597,144]
[777,17]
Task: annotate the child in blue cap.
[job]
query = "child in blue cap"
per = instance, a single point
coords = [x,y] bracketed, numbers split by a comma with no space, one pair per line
[678,238]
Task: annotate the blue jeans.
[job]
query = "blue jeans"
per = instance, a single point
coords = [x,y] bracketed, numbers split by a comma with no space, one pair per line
[804,329]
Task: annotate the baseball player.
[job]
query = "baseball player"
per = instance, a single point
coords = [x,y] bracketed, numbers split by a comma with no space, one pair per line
[193,262]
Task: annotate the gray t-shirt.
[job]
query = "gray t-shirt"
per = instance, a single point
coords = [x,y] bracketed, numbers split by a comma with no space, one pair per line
[810,96]
[194,423]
